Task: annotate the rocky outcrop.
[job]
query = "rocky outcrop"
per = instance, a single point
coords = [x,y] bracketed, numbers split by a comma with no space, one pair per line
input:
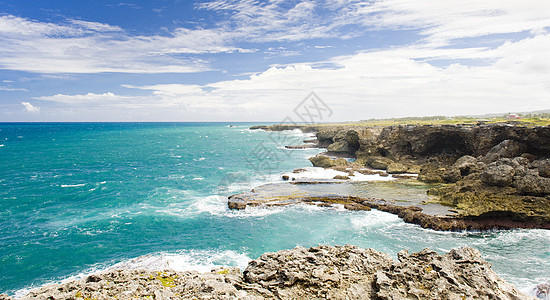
[444,142]
[505,149]
[321,272]
[396,168]
[324,161]
[508,189]
[499,175]
[498,171]
[379,162]
[345,142]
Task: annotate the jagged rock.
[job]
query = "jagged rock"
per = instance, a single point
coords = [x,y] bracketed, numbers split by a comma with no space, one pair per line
[340,146]
[505,149]
[466,165]
[414,169]
[379,162]
[236,203]
[356,206]
[447,142]
[444,277]
[321,161]
[452,175]
[132,284]
[396,168]
[532,184]
[430,175]
[325,137]
[326,162]
[345,142]
[499,175]
[543,167]
[321,272]
[522,161]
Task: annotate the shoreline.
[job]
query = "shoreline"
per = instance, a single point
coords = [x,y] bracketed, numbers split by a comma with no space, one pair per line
[395,209]
[496,176]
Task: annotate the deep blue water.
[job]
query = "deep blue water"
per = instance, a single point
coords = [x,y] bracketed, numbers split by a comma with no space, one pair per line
[80,197]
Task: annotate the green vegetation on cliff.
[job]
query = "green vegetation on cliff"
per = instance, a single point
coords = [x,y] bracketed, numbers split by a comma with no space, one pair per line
[526,120]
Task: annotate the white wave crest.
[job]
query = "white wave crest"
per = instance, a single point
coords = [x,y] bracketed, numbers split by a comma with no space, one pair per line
[322,173]
[186,260]
[73,185]
[215,205]
[371,177]
[373,218]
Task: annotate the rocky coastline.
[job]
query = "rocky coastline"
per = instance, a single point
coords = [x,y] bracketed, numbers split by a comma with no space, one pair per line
[495,176]
[321,272]
[490,176]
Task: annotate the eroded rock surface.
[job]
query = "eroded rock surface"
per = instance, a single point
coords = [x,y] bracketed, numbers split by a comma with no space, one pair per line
[493,171]
[322,272]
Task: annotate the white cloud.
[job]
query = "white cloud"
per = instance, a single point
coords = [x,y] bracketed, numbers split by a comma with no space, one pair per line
[95,26]
[89,47]
[443,21]
[79,46]
[385,83]
[3,88]
[30,108]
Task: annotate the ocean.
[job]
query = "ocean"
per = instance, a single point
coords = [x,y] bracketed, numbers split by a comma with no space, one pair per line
[77,198]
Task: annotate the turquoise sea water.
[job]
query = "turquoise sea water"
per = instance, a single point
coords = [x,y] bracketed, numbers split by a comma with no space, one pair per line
[80,197]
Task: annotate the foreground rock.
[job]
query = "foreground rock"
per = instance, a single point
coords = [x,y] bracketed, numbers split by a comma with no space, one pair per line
[322,272]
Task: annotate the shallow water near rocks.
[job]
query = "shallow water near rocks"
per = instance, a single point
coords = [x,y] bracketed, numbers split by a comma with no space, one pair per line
[77,198]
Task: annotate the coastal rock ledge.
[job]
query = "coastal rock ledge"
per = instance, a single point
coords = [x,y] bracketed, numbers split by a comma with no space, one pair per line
[322,272]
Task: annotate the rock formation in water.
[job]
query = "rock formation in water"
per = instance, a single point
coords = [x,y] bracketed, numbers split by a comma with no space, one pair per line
[489,171]
[322,272]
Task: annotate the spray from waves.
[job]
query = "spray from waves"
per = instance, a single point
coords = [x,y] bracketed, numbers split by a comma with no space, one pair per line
[186,260]
[215,205]
[183,260]
[315,173]
[371,177]
[322,173]
[373,219]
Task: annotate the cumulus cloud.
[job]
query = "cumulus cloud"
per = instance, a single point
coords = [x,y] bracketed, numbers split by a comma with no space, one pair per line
[89,47]
[390,83]
[30,108]
[445,71]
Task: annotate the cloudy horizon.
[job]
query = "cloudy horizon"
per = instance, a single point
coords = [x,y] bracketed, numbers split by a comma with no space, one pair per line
[226,60]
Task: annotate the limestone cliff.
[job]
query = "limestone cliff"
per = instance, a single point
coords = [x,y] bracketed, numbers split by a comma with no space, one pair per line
[492,171]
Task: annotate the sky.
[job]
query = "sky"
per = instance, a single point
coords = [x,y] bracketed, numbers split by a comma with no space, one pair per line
[252,60]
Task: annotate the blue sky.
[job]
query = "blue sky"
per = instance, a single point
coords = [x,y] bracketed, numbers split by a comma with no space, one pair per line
[226,60]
